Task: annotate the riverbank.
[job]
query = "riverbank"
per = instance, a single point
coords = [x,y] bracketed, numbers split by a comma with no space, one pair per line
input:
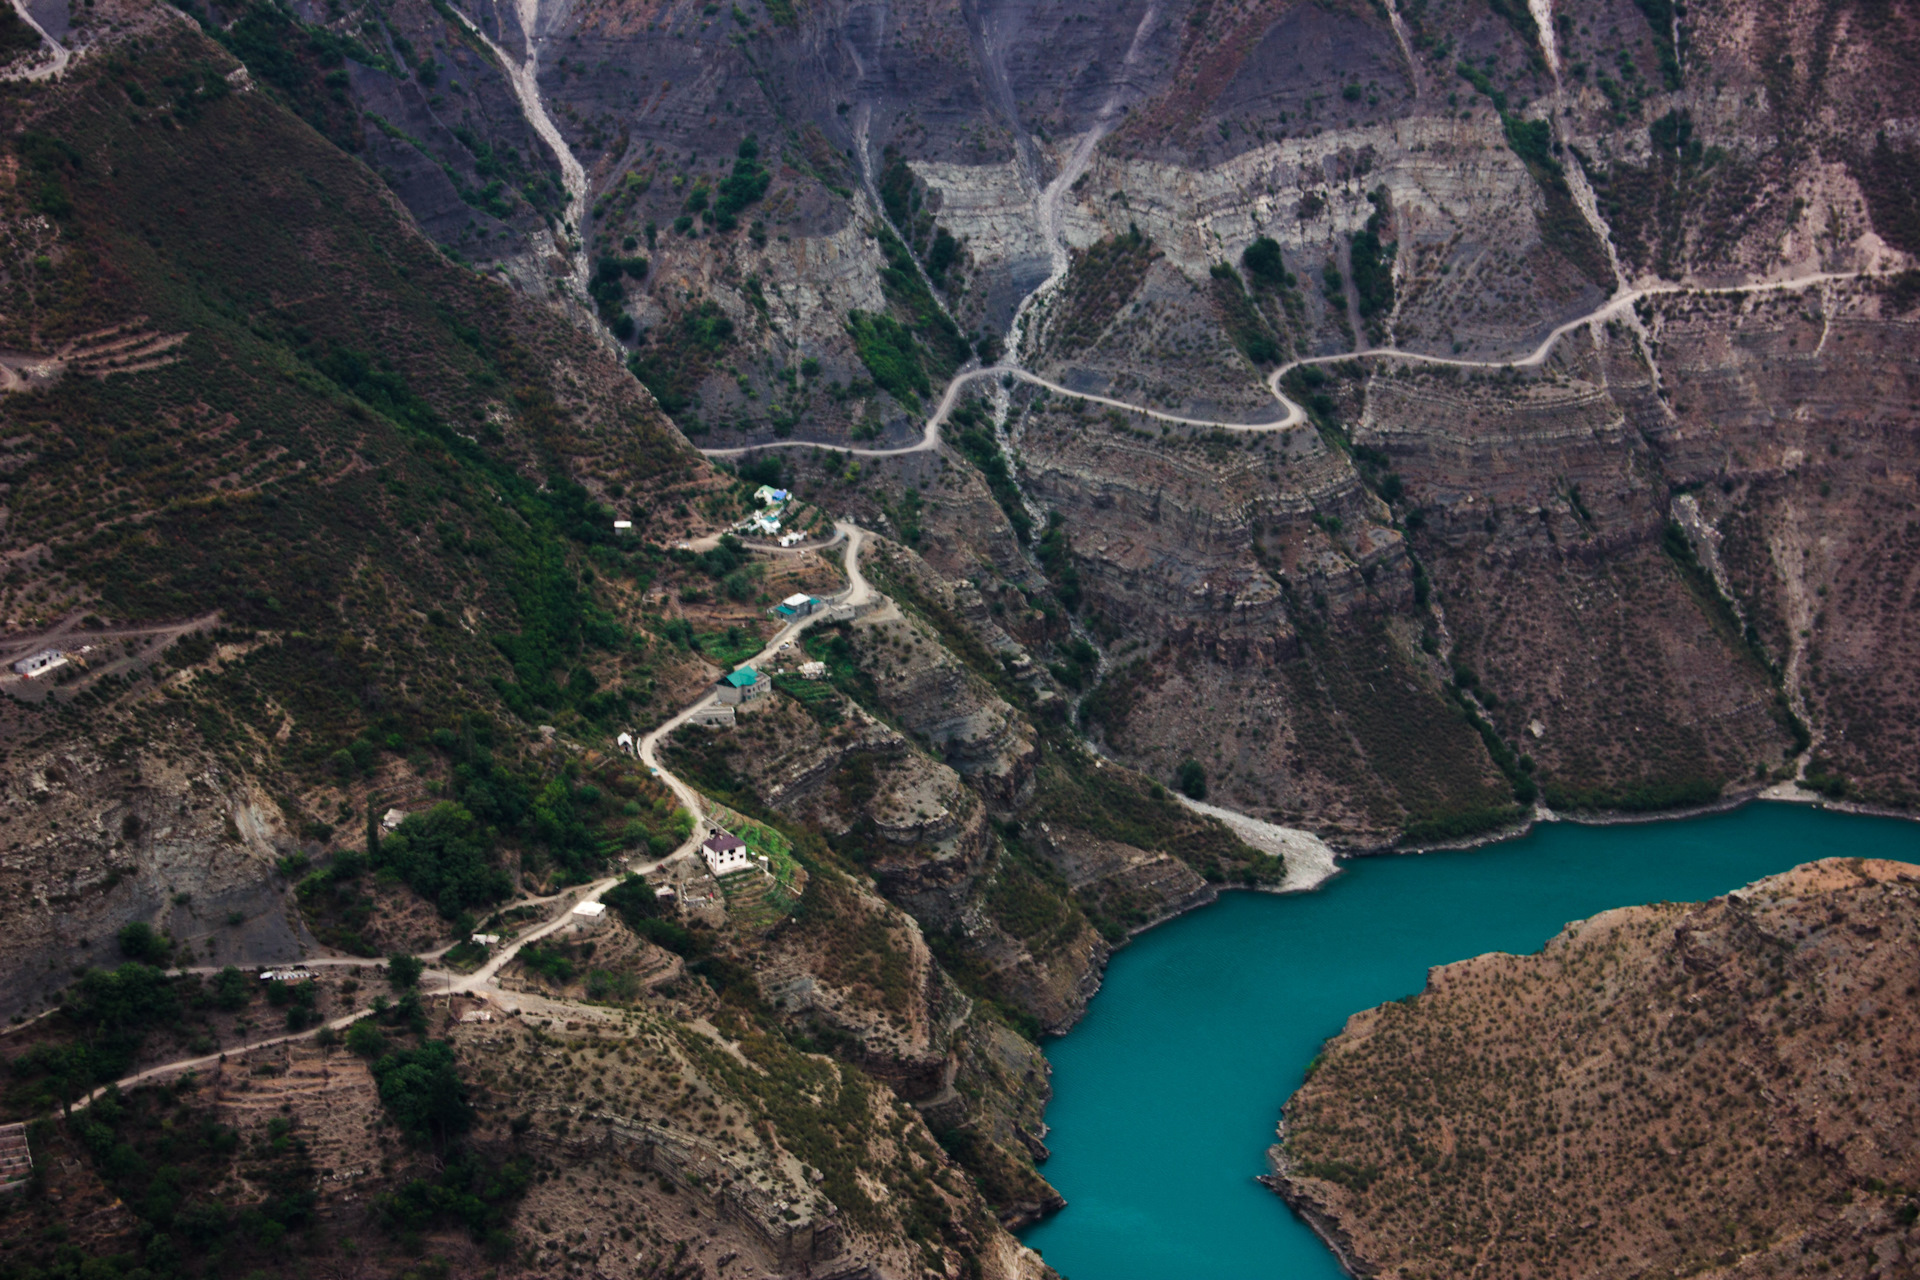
[1217,1016]
[1465,1130]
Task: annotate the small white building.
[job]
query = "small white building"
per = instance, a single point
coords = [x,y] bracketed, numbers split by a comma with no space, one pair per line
[392,818]
[813,671]
[625,743]
[38,664]
[726,854]
[287,975]
[792,538]
[768,496]
[486,939]
[621,526]
[588,915]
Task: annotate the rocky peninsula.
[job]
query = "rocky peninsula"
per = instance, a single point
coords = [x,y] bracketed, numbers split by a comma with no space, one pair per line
[1725,1088]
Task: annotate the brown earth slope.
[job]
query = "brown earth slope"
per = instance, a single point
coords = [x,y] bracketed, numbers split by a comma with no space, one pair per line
[1725,1088]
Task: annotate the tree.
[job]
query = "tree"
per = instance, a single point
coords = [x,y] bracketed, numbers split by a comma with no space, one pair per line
[404,971]
[365,1039]
[231,989]
[142,942]
[422,1089]
[634,899]
[1192,779]
[445,855]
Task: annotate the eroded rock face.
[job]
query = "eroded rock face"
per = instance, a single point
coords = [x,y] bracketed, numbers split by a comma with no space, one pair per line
[1725,1086]
[1498,514]
[94,841]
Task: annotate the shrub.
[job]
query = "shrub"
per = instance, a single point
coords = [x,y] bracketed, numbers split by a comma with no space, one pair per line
[404,971]
[1264,264]
[891,355]
[634,899]
[142,942]
[1191,778]
[422,1089]
[366,1039]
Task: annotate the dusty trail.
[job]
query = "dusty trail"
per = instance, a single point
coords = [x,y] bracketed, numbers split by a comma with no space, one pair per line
[441,982]
[524,76]
[61,57]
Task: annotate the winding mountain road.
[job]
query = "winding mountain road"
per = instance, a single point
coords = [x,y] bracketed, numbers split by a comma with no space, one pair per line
[1294,415]
[858,592]
[61,56]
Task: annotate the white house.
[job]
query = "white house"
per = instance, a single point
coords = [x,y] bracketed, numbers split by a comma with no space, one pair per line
[792,538]
[725,854]
[392,818]
[813,671]
[588,915]
[768,496]
[486,939]
[625,743]
[38,664]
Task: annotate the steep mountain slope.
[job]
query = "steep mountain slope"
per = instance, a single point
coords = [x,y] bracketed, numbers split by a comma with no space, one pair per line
[839,208]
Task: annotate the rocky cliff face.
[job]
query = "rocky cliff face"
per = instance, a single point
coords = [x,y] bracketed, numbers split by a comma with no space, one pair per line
[1450,180]
[1721,1088]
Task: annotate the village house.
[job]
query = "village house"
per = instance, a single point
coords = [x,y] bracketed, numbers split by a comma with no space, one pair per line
[726,854]
[799,605]
[38,664]
[744,685]
[588,916]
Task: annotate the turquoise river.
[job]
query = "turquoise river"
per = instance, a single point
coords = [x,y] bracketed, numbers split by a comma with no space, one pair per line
[1166,1094]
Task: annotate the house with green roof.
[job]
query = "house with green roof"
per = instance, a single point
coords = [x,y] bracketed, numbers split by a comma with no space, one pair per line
[744,685]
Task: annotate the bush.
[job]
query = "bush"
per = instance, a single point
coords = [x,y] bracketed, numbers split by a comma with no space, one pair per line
[635,900]
[1264,264]
[366,1039]
[891,355]
[403,971]
[551,964]
[232,989]
[140,941]
[1192,780]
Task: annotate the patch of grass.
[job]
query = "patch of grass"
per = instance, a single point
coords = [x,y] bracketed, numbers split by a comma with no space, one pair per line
[891,355]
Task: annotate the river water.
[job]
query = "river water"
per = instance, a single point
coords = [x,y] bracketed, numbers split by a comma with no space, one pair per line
[1165,1096]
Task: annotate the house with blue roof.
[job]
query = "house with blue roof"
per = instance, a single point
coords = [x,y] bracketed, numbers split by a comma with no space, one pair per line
[744,685]
[795,606]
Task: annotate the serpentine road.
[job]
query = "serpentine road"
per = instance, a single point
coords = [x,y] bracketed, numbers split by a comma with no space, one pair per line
[859,592]
[1294,415]
[61,56]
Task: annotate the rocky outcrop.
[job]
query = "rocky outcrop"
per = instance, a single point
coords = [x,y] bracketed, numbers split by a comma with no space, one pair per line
[94,840]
